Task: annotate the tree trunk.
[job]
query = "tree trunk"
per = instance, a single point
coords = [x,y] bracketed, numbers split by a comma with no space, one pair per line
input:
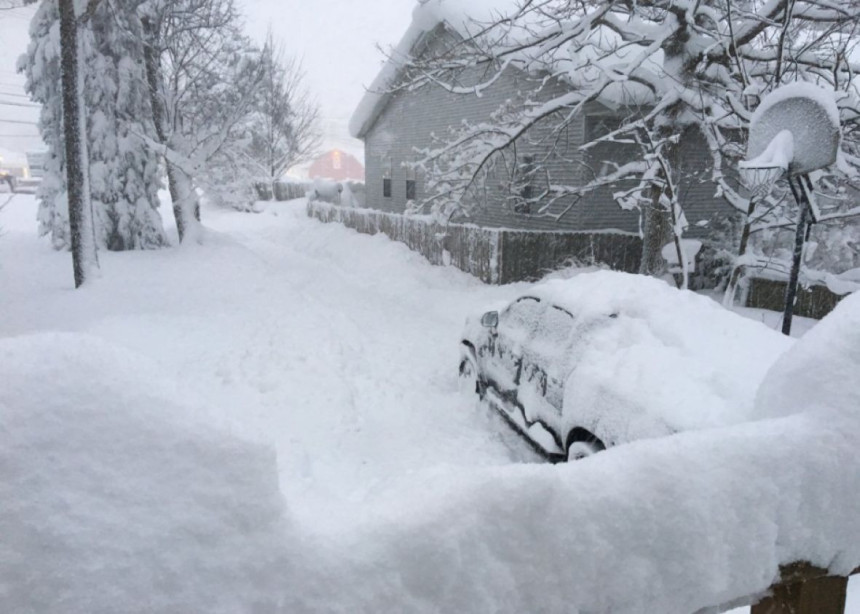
[84,258]
[731,289]
[186,206]
[656,232]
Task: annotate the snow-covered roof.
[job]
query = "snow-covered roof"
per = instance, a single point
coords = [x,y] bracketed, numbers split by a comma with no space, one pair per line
[426,16]
[602,52]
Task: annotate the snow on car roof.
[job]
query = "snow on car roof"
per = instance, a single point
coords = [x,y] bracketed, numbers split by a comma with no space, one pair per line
[675,355]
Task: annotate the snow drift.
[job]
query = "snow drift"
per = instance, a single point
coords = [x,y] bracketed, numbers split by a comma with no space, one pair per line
[115,499]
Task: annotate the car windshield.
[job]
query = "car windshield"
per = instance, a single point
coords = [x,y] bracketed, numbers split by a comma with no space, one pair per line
[521,318]
[554,326]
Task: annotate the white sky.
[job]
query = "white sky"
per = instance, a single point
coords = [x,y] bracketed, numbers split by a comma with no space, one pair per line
[15,137]
[335,39]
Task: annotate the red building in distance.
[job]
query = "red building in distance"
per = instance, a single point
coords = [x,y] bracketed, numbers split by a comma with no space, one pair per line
[338,166]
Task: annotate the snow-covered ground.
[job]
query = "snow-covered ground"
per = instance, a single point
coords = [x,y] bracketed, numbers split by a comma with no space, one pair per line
[338,348]
[339,352]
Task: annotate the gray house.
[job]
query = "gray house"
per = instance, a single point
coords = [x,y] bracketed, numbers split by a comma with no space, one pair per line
[503,239]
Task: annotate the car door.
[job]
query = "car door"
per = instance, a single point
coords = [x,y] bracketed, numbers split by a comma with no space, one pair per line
[547,355]
[516,325]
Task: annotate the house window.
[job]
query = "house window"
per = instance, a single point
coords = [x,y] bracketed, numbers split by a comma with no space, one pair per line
[335,160]
[524,188]
[386,177]
[410,180]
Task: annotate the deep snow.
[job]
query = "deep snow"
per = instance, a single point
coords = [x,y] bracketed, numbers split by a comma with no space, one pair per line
[339,351]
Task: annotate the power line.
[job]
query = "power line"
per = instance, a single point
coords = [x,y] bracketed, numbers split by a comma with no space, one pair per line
[9,103]
[14,94]
[17,121]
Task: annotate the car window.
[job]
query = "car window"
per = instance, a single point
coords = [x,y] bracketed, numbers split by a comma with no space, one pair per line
[522,317]
[554,326]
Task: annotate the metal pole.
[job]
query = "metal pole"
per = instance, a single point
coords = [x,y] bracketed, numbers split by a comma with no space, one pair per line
[799,241]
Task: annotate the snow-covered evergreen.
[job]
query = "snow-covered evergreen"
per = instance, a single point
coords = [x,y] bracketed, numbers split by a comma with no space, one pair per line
[123,173]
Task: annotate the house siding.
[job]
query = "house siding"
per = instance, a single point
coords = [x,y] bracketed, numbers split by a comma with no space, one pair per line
[411,118]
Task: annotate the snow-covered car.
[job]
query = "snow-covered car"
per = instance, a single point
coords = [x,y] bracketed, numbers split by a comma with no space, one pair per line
[605,358]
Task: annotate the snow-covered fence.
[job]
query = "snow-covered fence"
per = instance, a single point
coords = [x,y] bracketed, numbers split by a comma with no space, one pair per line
[805,589]
[290,190]
[813,302]
[494,255]
[280,190]
[354,194]
[467,247]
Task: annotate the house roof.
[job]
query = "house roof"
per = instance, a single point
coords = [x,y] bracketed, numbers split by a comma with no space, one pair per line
[426,16]
[600,51]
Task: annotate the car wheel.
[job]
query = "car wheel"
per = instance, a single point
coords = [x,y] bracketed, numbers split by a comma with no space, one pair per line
[581,443]
[470,381]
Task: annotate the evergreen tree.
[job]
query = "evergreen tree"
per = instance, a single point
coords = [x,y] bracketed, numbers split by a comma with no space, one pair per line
[122,172]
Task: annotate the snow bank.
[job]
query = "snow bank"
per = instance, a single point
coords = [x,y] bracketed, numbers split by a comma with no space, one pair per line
[667,525]
[823,372]
[115,499]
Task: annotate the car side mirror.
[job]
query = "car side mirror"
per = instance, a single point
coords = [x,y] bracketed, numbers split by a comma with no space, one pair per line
[490,319]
